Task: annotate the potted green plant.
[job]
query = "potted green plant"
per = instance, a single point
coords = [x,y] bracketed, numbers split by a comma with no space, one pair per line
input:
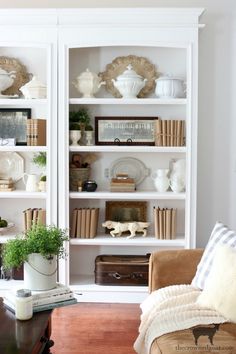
[38,250]
[40,159]
[80,118]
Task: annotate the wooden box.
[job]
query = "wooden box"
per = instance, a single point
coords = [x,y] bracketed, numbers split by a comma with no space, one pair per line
[121,270]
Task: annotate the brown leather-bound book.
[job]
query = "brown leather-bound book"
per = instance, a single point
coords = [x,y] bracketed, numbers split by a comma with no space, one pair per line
[41,217]
[158,132]
[29,217]
[161,223]
[73,223]
[168,224]
[39,132]
[29,132]
[93,223]
[179,130]
[78,226]
[164,130]
[83,222]
[173,223]
[156,222]
[172,132]
[183,133]
[97,218]
[168,132]
[35,216]
[87,222]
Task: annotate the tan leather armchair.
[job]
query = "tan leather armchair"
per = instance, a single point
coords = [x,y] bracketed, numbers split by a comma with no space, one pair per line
[178,267]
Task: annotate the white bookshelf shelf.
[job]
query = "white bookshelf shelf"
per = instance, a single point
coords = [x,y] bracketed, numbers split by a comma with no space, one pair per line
[22,102]
[23,194]
[123,241]
[142,195]
[23,148]
[118,149]
[128,101]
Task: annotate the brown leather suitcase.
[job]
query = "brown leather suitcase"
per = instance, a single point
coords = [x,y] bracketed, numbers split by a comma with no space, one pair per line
[121,270]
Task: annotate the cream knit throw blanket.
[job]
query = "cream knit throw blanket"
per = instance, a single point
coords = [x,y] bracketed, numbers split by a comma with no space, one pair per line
[171,309]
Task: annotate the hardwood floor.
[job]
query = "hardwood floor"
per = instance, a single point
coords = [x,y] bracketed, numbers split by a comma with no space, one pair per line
[95,328]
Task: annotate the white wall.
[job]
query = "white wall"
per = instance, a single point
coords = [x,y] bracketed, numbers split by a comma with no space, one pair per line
[217,102]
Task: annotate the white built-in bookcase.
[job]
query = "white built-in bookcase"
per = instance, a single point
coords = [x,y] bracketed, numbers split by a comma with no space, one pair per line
[72,40]
[168,38]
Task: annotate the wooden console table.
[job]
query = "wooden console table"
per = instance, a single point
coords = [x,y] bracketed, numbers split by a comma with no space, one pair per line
[24,337]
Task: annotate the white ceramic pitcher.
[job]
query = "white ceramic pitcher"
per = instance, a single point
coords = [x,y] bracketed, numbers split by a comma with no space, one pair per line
[30,182]
[161,181]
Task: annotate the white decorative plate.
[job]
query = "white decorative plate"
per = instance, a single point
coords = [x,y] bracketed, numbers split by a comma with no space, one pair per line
[133,167]
[11,165]
[5,229]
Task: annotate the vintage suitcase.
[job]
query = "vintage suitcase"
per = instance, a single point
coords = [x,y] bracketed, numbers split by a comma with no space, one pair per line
[121,270]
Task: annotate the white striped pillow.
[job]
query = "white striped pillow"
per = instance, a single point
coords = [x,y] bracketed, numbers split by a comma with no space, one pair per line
[221,234]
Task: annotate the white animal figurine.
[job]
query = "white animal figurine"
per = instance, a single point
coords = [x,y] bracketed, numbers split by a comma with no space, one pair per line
[132,227]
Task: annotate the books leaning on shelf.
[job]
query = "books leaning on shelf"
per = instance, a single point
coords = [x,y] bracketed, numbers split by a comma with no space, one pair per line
[36,132]
[6,184]
[34,216]
[164,223]
[44,300]
[84,222]
[169,132]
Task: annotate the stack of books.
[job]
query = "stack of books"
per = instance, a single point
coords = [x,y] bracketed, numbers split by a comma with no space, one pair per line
[44,300]
[6,184]
[36,132]
[122,183]
[164,223]
[169,132]
[84,222]
[34,216]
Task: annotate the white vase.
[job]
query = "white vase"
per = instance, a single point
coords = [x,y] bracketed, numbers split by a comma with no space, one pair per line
[40,273]
[161,181]
[75,136]
[89,137]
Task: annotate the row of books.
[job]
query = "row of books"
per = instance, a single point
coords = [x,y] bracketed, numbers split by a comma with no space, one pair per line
[84,222]
[34,216]
[169,132]
[164,223]
[36,132]
[122,184]
[6,184]
[44,300]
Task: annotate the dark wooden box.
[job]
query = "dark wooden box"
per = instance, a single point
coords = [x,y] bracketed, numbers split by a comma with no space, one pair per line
[121,270]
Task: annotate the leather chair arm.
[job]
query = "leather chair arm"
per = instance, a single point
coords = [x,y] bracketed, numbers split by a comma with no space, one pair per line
[172,267]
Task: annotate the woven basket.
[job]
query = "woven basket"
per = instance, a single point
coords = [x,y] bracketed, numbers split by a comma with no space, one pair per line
[78,176]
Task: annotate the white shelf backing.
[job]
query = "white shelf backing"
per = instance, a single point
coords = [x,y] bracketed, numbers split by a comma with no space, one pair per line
[5,237]
[129,101]
[124,241]
[141,195]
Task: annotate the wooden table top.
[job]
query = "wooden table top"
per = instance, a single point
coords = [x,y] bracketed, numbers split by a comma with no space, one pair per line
[21,337]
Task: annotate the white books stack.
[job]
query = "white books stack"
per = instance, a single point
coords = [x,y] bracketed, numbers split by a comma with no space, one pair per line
[44,300]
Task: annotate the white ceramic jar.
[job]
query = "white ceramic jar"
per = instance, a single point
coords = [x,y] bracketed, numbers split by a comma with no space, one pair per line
[161,180]
[88,83]
[170,87]
[129,84]
[23,304]
[34,89]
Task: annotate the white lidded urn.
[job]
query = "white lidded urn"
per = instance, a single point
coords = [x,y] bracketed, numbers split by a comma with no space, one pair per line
[88,83]
[161,180]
